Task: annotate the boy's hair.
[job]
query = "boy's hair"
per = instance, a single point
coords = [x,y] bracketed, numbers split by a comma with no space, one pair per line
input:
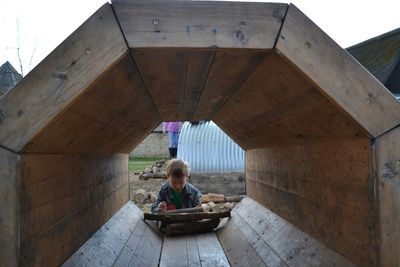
[177,168]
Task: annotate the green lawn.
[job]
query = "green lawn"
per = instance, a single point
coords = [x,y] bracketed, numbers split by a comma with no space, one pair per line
[138,164]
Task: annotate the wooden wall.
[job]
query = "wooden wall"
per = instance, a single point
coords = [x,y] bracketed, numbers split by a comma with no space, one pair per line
[326,189]
[64,200]
[9,206]
[387,166]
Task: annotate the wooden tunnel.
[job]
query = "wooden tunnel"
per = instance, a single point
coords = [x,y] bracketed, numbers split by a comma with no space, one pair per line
[321,133]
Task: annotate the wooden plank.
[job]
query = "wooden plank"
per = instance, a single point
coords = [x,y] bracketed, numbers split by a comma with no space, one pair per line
[103,248]
[158,23]
[276,105]
[210,251]
[164,74]
[9,207]
[292,245]
[222,82]
[237,248]
[48,89]
[174,252]
[387,168]
[108,118]
[337,74]
[66,201]
[192,251]
[263,250]
[148,251]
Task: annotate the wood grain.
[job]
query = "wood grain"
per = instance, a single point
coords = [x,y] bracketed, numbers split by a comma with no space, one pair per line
[9,207]
[285,244]
[337,74]
[157,23]
[387,168]
[276,105]
[66,201]
[108,118]
[324,189]
[60,78]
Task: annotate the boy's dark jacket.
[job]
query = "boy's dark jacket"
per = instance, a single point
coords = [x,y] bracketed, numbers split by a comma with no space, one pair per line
[191,196]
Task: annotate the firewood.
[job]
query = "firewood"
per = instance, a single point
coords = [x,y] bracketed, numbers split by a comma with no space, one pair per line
[151,197]
[205,207]
[186,210]
[186,217]
[211,205]
[237,198]
[139,196]
[216,198]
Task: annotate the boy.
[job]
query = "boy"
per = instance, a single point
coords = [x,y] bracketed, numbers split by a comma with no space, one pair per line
[176,193]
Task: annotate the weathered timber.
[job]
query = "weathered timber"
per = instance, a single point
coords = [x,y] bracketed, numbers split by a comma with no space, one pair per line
[307,116]
[187,210]
[140,196]
[324,189]
[9,207]
[343,80]
[184,228]
[62,76]
[186,217]
[210,197]
[199,24]
[387,170]
[255,236]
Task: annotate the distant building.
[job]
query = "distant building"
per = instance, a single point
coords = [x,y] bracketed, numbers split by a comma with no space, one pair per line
[9,77]
[381,56]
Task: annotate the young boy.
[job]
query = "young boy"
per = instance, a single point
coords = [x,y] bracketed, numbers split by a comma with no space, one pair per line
[176,193]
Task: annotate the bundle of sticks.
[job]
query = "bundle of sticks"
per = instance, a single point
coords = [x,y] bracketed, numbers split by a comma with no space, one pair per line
[187,221]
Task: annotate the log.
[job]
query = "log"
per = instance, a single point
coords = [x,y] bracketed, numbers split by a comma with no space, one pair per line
[211,205]
[216,198]
[190,227]
[187,210]
[205,207]
[139,196]
[151,197]
[237,198]
[186,217]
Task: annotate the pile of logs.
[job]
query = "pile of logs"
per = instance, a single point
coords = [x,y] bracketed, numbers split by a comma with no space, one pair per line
[142,197]
[155,172]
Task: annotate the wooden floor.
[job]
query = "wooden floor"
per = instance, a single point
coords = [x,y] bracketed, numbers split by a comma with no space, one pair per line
[253,236]
[127,240]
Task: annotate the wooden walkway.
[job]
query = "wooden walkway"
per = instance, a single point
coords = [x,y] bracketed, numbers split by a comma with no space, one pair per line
[253,236]
[126,240]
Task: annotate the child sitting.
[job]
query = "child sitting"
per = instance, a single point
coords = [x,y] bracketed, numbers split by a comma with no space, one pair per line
[177,193]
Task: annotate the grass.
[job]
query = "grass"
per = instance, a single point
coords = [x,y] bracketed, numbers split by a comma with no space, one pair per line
[139,164]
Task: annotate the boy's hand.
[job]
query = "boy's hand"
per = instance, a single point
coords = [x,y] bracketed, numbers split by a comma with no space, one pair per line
[162,206]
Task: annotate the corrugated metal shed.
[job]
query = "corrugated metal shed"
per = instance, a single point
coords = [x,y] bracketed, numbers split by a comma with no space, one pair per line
[208,149]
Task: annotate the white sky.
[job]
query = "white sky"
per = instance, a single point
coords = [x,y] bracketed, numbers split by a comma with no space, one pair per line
[44,24]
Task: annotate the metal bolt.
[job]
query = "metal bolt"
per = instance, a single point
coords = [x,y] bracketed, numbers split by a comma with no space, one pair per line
[308,45]
[242,24]
[367,101]
[156,21]
[88,51]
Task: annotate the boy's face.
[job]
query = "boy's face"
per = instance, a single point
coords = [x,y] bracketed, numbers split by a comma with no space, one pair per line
[177,183]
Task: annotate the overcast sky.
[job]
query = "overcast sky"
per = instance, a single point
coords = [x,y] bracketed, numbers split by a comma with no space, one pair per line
[43,24]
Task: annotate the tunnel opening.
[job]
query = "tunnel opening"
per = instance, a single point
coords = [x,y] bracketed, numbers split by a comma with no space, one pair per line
[319,133]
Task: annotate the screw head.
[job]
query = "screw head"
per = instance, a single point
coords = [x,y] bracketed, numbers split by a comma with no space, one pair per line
[156,21]
[88,51]
[367,101]
[242,24]
[307,44]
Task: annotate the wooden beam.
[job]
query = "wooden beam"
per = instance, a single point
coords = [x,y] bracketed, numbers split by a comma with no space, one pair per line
[387,161]
[337,75]
[60,78]
[197,24]
[9,208]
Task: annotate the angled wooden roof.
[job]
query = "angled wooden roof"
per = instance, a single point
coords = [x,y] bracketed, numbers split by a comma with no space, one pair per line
[263,72]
